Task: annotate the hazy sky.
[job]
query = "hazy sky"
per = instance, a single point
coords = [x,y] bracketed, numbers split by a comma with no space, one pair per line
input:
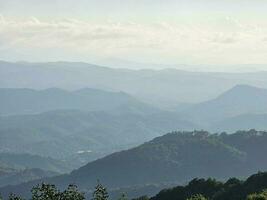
[212,33]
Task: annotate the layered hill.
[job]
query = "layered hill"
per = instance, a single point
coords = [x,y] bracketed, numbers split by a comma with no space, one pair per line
[240,100]
[21,168]
[29,161]
[161,87]
[28,101]
[242,122]
[175,157]
[14,176]
[71,133]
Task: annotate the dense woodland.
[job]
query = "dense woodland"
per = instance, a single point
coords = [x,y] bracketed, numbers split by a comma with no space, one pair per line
[232,189]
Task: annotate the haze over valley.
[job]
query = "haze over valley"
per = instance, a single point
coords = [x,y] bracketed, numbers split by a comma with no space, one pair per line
[73,116]
[133,100]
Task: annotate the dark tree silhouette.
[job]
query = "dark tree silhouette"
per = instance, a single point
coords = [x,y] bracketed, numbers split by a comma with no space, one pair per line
[100,192]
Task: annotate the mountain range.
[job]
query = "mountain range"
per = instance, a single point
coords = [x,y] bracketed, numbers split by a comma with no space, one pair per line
[164,88]
[121,124]
[86,128]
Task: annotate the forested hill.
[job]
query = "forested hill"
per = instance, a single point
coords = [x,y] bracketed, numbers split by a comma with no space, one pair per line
[180,156]
[175,157]
[232,189]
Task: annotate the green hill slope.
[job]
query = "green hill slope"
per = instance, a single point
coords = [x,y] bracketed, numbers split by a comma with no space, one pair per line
[173,158]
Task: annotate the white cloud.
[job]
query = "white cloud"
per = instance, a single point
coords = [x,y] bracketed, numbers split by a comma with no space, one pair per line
[222,43]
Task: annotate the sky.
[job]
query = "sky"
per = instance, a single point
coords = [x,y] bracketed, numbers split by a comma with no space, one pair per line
[215,35]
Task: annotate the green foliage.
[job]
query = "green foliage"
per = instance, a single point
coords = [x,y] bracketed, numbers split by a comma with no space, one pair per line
[45,192]
[50,192]
[258,196]
[100,192]
[207,188]
[14,197]
[254,188]
[197,197]
[72,193]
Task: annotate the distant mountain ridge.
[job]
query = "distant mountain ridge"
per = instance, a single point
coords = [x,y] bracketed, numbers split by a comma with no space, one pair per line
[242,122]
[241,99]
[28,101]
[165,88]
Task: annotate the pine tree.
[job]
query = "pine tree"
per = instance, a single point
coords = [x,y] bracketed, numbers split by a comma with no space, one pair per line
[45,192]
[72,193]
[100,192]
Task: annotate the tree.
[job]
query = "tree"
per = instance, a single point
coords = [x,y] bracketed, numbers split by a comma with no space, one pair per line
[45,192]
[13,197]
[258,196]
[50,192]
[100,192]
[197,197]
[72,193]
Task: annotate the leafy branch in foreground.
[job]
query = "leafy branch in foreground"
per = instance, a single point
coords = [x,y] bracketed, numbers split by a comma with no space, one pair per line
[258,196]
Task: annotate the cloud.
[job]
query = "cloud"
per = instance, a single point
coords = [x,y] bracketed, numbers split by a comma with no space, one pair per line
[161,41]
[2,20]
[222,38]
